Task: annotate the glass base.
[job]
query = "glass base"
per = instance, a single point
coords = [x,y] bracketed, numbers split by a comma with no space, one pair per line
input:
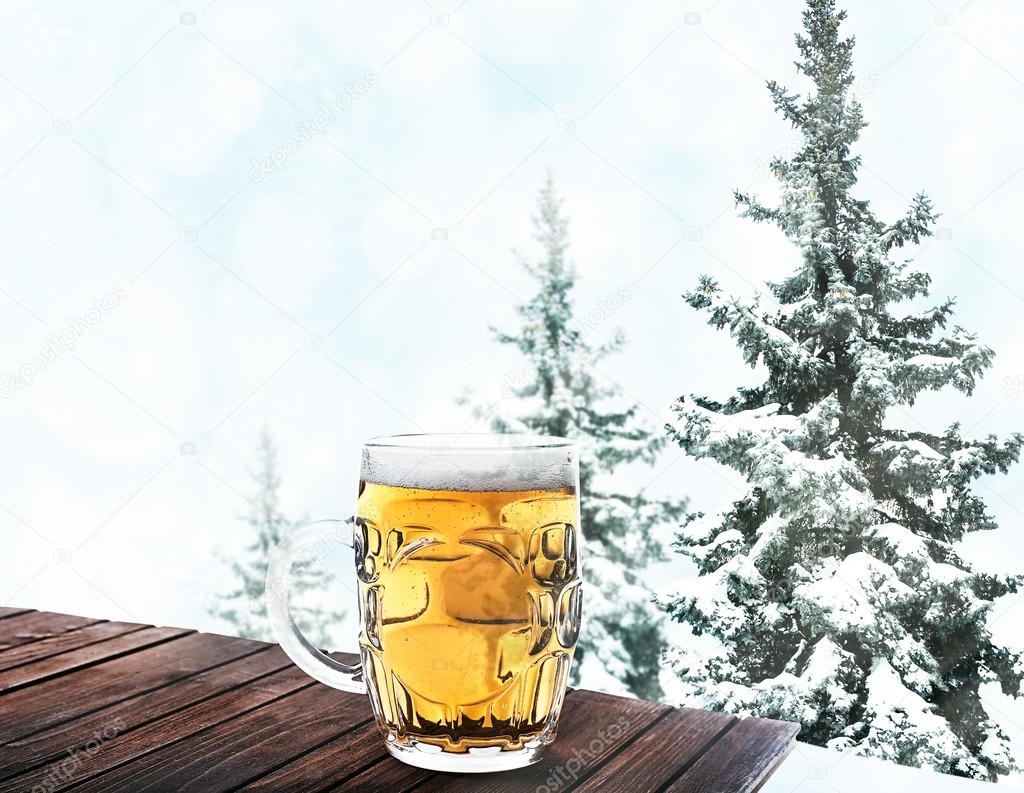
[478,760]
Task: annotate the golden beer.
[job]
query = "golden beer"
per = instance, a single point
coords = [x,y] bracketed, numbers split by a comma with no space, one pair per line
[467,553]
[470,603]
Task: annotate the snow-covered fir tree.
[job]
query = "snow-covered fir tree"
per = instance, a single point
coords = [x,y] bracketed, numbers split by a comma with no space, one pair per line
[557,393]
[242,605]
[835,585]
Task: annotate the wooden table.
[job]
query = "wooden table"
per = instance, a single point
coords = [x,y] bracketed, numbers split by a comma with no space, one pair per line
[114,706]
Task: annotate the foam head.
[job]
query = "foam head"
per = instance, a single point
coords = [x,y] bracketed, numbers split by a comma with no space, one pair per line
[471,462]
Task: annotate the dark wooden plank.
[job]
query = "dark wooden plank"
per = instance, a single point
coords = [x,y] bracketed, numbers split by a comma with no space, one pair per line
[244,748]
[388,775]
[9,611]
[655,758]
[744,757]
[189,671]
[123,745]
[33,626]
[28,710]
[592,729]
[774,766]
[55,665]
[84,704]
[72,640]
[338,762]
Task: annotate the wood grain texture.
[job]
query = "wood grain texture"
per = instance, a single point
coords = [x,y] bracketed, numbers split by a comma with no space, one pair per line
[327,766]
[339,762]
[54,665]
[225,664]
[388,775]
[33,626]
[593,727]
[44,704]
[97,706]
[124,745]
[683,735]
[245,747]
[8,611]
[741,760]
[60,643]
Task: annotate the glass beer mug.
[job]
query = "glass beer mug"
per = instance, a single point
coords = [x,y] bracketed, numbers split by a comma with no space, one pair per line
[467,556]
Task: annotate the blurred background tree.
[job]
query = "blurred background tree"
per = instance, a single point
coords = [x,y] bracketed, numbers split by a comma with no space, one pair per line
[557,393]
[241,603]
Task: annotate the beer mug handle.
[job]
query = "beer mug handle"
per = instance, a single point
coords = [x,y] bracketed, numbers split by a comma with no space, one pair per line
[306,656]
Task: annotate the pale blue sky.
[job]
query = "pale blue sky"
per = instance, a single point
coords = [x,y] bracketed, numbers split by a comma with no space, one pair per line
[126,144]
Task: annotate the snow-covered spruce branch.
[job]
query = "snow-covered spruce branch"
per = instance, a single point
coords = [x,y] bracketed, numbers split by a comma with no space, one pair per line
[835,586]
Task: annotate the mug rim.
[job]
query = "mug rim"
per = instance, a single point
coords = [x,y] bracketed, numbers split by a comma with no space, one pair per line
[443,442]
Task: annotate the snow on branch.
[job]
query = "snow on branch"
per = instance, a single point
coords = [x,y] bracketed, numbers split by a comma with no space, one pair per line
[912,227]
[758,338]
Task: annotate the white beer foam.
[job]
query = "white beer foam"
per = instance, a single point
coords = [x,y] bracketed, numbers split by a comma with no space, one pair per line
[471,462]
